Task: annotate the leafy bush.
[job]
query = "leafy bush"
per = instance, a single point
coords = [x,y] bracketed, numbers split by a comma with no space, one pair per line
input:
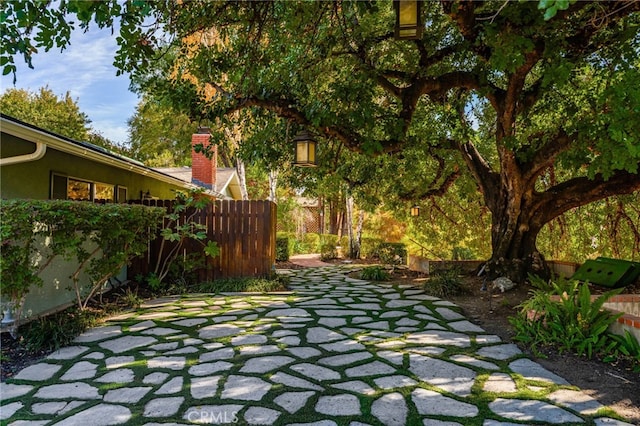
[374,273]
[369,248]
[445,282]
[180,227]
[626,346]
[392,253]
[574,323]
[328,250]
[282,249]
[462,253]
[57,330]
[311,242]
[101,238]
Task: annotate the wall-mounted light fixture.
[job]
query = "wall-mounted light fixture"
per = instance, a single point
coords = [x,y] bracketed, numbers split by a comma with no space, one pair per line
[408,22]
[305,150]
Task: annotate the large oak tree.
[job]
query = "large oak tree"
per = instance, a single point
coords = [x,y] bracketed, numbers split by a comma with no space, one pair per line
[494,89]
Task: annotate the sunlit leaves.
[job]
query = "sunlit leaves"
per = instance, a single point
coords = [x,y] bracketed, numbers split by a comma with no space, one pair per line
[551,7]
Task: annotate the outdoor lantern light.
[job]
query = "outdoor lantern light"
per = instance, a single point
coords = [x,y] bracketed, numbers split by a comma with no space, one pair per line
[415,210]
[305,149]
[408,25]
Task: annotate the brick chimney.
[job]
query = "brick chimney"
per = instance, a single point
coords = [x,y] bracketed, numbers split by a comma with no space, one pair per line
[203,169]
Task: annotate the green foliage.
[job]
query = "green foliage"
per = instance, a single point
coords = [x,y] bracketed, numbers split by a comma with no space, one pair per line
[160,136]
[392,253]
[28,27]
[551,7]
[59,115]
[305,244]
[462,253]
[282,249]
[608,228]
[246,284]
[101,238]
[375,273]
[179,227]
[45,109]
[130,298]
[328,249]
[369,248]
[388,253]
[624,347]
[573,323]
[445,282]
[58,330]
[311,242]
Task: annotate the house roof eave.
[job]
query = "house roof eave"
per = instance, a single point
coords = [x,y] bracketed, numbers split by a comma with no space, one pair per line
[34,134]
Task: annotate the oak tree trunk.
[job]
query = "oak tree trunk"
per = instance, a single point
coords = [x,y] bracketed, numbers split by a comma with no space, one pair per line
[514,251]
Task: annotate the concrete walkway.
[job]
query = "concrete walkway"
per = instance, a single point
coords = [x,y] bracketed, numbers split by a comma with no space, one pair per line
[334,351]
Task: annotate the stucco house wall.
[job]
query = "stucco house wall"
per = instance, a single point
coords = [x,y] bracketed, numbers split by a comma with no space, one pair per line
[32,180]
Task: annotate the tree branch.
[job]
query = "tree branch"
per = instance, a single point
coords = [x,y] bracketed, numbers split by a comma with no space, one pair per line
[488,180]
[545,156]
[581,191]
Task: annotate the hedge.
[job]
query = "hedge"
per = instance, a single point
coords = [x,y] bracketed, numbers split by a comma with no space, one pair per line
[118,232]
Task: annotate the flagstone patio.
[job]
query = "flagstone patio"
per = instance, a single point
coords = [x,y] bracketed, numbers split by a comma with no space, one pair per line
[334,351]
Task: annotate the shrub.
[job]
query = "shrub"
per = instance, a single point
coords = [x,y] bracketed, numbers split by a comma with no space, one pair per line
[374,273]
[180,227]
[58,330]
[462,253]
[624,347]
[328,251]
[392,253]
[311,243]
[575,323]
[328,243]
[369,248]
[445,282]
[282,249]
[51,228]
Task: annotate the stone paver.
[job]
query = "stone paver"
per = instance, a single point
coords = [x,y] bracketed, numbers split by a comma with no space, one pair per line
[338,405]
[391,409]
[99,415]
[335,350]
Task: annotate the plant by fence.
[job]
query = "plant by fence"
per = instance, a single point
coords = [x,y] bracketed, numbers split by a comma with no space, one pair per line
[243,231]
[282,249]
[179,228]
[101,238]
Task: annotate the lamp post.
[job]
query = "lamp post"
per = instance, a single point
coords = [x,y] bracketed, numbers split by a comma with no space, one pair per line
[408,22]
[305,150]
[415,210]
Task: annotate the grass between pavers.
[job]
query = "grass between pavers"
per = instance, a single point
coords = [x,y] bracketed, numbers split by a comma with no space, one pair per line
[478,397]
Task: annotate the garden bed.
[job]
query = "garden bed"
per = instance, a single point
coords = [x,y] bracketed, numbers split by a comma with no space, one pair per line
[613,384]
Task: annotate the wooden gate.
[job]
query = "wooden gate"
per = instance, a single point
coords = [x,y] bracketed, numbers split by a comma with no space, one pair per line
[245,232]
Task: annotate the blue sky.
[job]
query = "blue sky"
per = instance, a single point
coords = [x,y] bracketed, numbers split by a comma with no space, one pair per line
[85,69]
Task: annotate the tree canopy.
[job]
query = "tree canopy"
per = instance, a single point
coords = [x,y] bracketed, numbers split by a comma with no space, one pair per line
[58,114]
[503,92]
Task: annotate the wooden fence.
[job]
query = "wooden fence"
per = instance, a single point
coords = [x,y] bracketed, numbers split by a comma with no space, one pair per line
[245,232]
